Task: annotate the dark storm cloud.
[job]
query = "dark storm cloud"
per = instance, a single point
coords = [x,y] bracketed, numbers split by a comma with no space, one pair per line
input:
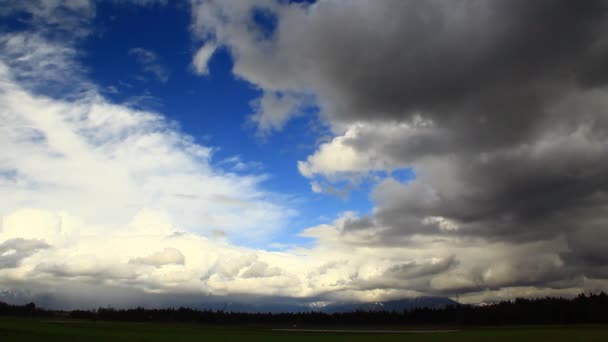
[436,55]
[588,250]
[524,193]
[500,107]
[512,91]
[484,71]
[506,110]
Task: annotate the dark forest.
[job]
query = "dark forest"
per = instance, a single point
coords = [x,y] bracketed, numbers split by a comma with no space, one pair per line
[591,308]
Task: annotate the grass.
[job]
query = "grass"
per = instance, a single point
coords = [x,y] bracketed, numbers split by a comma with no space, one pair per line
[37,329]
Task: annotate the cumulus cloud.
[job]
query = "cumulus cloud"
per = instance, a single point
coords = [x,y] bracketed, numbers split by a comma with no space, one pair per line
[341,157]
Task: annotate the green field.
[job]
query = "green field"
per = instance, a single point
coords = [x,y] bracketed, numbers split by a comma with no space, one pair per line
[23,329]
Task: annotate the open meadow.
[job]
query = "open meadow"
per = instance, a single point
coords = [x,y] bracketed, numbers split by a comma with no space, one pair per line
[36,329]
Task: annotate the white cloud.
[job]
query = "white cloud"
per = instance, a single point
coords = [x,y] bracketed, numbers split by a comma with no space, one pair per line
[200,62]
[56,153]
[167,256]
[113,191]
[336,157]
[231,24]
[341,158]
[273,109]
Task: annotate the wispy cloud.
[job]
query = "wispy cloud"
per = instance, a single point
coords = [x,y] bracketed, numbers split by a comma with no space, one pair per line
[67,19]
[151,63]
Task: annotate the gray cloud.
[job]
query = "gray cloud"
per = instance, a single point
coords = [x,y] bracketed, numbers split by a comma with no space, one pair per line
[498,106]
[411,276]
[13,251]
[451,60]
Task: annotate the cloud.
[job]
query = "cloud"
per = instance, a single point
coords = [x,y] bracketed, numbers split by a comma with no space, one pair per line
[150,62]
[167,256]
[42,67]
[202,57]
[13,251]
[342,157]
[65,18]
[273,109]
[503,122]
[509,197]
[91,187]
[144,162]
[139,207]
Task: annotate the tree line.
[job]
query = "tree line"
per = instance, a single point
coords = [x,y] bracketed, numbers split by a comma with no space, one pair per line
[592,308]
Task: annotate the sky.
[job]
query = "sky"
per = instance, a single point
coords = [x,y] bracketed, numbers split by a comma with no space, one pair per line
[315,152]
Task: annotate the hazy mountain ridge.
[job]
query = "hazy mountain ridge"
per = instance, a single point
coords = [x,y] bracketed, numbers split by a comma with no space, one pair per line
[269,305]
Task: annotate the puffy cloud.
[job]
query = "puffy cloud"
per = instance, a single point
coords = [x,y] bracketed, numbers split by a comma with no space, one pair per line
[367,147]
